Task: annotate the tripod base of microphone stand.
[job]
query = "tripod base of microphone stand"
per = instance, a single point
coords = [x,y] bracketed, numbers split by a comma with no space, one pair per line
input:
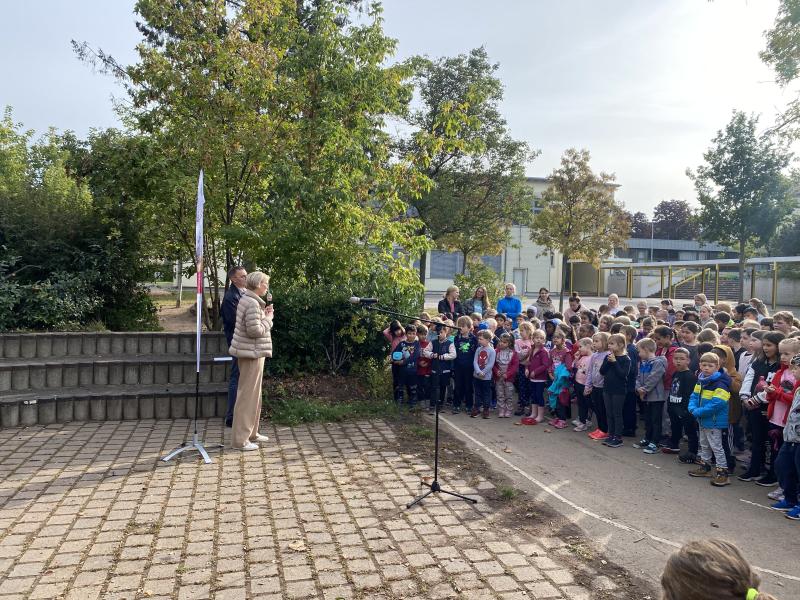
[195,444]
[437,489]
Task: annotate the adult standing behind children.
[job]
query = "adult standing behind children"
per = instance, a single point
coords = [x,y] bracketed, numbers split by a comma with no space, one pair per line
[479,302]
[251,344]
[543,303]
[238,281]
[510,305]
[450,305]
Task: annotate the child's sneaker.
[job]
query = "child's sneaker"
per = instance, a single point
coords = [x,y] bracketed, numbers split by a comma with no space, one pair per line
[651,448]
[776,494]
[642,443]
[613,442]
[475,412]
[767,481]
[794,514]
[528,421]
[720,478]
[602,435]
[670,450]
[702,470]
[580,427]
[783,505]
[576,422]
[559,424]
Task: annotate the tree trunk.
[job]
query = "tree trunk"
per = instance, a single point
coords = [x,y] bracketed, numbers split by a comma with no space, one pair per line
[464,263]
[563,278]
[180,284]
[742,259]
[423,266]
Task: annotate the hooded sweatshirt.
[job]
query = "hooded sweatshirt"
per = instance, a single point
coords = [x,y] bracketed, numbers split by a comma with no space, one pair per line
[729,364]
[710,399]
[651,378]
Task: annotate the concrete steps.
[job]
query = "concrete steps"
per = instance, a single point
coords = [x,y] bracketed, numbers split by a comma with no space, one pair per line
[56,345]
[111,403]
[59,377]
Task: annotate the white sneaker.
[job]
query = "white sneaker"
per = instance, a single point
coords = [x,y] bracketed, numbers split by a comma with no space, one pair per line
[576,422]
[776,494]
[260,438]
[248,446]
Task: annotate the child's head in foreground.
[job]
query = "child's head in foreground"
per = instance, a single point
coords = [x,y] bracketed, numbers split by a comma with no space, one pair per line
[710,570]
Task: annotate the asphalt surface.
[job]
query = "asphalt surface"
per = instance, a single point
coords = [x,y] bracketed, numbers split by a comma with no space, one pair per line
[638,508]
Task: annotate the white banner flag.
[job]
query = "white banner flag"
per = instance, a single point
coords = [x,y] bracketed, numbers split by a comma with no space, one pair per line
[198,254]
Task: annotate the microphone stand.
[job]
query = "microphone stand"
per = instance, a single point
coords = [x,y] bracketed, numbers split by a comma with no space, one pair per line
[435,487]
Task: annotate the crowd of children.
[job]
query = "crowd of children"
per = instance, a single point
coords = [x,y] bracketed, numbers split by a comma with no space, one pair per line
[716,376]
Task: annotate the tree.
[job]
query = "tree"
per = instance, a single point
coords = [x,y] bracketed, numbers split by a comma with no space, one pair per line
[640,224]
[476,168]
[673,220]
[742,192]
[284,105]
[783,55]
[580,217]
[787,238]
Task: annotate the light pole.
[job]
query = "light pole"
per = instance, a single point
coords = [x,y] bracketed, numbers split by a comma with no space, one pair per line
[652,230]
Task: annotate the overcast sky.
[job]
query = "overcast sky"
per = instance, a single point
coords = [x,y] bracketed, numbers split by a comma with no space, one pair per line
[643,85]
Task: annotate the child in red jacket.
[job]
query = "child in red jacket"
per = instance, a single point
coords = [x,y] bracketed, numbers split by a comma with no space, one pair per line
[780,392]
[506,365]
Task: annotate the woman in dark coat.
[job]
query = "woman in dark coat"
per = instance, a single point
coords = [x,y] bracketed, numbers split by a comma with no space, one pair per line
[449,305]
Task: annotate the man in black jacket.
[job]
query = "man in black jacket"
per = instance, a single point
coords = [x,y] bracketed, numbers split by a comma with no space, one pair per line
[237,276]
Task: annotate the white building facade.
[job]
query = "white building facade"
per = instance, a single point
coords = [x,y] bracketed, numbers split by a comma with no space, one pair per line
[522,262]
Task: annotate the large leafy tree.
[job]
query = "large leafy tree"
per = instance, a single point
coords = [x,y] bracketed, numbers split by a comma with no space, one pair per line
[782,53]
[640,224]
[742,191]
[283,104]
[580,217]
[674,220]
[476,168]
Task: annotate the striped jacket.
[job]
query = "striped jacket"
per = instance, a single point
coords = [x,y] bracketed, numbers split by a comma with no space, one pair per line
[709,400]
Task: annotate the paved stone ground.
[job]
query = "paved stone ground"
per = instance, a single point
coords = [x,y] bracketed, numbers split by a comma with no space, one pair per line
[88,511]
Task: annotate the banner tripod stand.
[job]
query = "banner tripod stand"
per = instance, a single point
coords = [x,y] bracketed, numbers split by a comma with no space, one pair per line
[196,444]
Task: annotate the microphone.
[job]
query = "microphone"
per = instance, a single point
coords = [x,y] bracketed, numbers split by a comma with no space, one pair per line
[363,301]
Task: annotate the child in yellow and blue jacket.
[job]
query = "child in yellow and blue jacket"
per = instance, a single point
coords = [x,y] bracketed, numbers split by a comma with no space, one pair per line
[709,405]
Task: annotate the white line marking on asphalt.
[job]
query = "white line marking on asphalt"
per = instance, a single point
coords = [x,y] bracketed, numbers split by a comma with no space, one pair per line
[549,490]
[754,504]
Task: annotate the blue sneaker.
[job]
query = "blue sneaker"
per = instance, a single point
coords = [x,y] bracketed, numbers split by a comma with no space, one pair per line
[782,505]
[651,448]
[794,514]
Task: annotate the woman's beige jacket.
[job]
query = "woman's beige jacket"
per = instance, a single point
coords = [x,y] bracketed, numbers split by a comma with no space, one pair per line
[251,336]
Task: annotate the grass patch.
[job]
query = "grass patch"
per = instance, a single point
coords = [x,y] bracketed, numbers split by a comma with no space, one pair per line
[508,493]
[297,410]
[421,431]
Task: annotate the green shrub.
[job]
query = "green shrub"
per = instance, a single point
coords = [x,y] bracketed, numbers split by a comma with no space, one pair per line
[477,274]
[318,330]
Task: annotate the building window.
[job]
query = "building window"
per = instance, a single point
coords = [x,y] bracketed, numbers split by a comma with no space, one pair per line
[495,262]
[445,265]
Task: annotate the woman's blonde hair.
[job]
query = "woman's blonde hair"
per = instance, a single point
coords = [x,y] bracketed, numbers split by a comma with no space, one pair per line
[709,570]
[450,289]
[255,279]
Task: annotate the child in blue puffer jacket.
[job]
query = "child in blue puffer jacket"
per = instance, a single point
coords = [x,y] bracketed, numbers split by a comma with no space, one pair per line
[709,405]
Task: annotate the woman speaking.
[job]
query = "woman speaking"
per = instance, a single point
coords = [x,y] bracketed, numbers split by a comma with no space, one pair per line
[251,344]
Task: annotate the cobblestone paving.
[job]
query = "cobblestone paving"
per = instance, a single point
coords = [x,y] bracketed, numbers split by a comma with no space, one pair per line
[88,511]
